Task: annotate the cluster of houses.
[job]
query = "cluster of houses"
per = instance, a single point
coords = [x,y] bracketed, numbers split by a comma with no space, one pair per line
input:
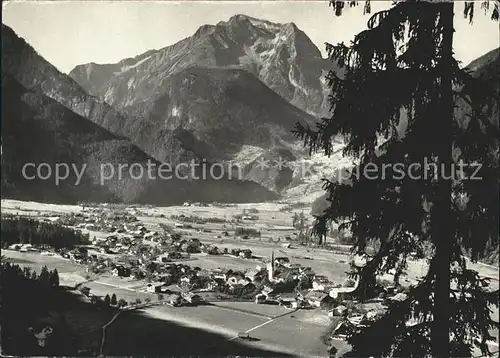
[322,293]
[102,218]
[150,245]
[133,251]
[262,284]
[280,281]
[121,240]
[351,320]
[292,285]
[175,298]
[24,248]
[189,203]
[98,219]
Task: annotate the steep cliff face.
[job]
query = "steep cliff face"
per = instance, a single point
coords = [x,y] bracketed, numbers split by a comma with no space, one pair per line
[213,113]
[280,55]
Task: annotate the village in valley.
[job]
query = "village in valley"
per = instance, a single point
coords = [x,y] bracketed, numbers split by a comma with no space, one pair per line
[211,261]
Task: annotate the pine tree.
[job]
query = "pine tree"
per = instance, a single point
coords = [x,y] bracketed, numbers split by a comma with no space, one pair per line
[54,278]
[107,300]
[302,221]
[295,220]
[394,105]
[113,300]
[27,272]
[44,275]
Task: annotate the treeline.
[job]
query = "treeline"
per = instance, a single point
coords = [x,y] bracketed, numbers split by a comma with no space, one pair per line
[198,219]
[111,301]
[241,231]
[292,206]
[29,231]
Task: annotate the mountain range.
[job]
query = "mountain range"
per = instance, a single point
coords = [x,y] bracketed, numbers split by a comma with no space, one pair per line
[37,129]
[279,55]
[231,92]
[48,118]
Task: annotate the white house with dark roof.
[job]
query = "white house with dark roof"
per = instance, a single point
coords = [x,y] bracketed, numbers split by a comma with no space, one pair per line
[252,275]
[154,287]
[321,283]
[316,298]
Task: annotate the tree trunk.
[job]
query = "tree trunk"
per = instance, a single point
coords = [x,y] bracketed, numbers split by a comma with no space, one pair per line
[441,220]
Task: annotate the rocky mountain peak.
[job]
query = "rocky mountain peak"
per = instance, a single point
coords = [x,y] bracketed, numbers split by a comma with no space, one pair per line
[280,55]
[204,31]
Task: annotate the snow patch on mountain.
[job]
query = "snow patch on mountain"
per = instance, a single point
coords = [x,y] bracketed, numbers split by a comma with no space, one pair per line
[294,82]
[264,24]
[248,154]
[310,171]
[130,83]
[175,111]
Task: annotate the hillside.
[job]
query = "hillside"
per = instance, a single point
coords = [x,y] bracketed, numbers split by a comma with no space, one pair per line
[217,111]
[280,55]
[37,129]
[487,66]
[33,72]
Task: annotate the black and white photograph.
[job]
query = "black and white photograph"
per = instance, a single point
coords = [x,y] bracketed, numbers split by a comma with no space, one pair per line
[274,178]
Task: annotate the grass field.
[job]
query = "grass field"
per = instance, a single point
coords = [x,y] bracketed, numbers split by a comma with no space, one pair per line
[165,331]
[265,310]
[70,274]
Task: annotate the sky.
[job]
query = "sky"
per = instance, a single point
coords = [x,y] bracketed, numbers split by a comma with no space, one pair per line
[69,33]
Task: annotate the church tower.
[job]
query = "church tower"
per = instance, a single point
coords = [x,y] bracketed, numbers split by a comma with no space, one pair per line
[270,268]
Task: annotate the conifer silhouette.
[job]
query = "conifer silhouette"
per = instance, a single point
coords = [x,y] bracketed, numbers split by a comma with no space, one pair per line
[402,99]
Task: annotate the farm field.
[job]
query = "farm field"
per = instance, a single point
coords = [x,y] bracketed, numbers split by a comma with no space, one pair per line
[283,334]
[164,329]
[304,335]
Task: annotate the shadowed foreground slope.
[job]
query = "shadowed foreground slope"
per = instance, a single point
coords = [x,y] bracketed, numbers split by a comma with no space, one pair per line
[135,334]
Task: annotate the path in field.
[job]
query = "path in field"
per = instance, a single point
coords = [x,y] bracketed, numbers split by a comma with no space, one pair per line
[265,323]
[103,339]
[113,319]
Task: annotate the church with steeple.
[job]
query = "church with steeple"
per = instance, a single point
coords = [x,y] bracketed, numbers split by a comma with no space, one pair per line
[270,268]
